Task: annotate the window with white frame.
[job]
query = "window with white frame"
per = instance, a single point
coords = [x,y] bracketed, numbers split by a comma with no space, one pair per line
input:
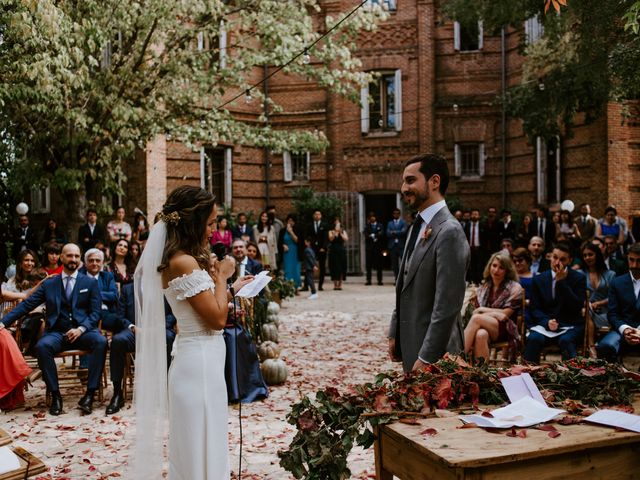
[389,5]
[216,45]
[41,200]
[548,170]
[468,36]
[469,160]
[296,166]
[381,103]
[111,48]
[216,172]
[533,29]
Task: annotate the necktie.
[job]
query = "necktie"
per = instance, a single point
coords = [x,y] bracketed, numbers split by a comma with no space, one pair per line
[415,230]
[316,227]
[473,234]
[540,232]
[68,287]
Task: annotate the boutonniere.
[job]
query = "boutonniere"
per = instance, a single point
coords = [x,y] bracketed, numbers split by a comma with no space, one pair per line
[427,233]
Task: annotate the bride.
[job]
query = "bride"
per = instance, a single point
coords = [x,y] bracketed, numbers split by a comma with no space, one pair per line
[176,262]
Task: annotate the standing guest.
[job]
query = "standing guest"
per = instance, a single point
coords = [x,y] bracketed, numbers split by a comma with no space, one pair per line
[245,265]
[121,263]
[396,236]
[136,250]
[522,234]
[492,231]
[624,311]
[94,267]
[466,217]
[291,244]
[475,233]
[222,234]
[458,215]
[608,226]
[598,281]
[310,266]
[373,237]
[118,228]
[426,322]
[557,299]
[542,227]
[506,226]
[140,229]
[497,302]
[254,253]
[242,229]
[53,233]
[24,237]
[51,262]
[124,341]
[586,223]
[338,254]
[612,258]
[265,234]
[555,220]
[522,262]
[506,245]
[318,233]
[278,224]
[539,262]
[73,310]
[91,233]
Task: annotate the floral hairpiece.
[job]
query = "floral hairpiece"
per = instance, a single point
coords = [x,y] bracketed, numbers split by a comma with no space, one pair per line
[172,218]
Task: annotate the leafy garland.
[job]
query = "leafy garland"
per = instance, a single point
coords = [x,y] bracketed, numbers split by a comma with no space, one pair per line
[329,425]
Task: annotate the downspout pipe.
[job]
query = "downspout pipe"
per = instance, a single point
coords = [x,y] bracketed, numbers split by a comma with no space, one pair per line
[503,135]
[267,153]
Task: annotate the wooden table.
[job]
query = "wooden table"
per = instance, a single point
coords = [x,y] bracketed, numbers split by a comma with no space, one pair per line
[5,438]
[582,451]
[36,466]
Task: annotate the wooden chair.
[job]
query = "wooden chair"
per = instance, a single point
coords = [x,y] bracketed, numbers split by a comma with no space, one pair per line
[494,347]
[129,374]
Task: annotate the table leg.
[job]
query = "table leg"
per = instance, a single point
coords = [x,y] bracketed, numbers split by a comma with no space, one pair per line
[381,473]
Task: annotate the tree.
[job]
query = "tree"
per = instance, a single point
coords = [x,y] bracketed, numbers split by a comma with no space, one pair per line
[83,84]
[583,60]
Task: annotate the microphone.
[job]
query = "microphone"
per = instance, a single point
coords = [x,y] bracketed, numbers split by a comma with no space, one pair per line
[219,250]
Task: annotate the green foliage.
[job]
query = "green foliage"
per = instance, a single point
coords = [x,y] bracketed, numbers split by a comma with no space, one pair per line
[306,201]
[284,288]
[332,423]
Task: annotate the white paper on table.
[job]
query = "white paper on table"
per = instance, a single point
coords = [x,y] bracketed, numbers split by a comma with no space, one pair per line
[614,418]
[520,386]
[523,413]
[9,461]
[549,333]
[255,286]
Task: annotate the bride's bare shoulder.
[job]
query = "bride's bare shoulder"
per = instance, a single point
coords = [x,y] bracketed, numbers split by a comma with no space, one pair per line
[180,264]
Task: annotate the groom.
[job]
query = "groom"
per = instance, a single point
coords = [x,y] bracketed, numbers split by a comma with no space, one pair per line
[430,289]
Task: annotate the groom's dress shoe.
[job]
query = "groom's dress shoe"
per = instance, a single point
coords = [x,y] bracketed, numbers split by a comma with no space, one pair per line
[56,404]
[86,403]
[116,403]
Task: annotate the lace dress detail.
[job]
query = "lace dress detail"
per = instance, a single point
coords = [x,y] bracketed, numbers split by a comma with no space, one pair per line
[191,285]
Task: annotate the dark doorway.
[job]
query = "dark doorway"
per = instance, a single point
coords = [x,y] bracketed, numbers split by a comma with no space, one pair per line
[382,204]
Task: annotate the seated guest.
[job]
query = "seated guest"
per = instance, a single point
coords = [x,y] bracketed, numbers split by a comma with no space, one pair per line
[122,263]
[94,267]
[624,311]
[612,257]
[598,281]
[522,261]
[51,262]
[124,341]
[497,301]
[506,245]
[242,229]
[557,298]
[244,264]
[72,312]
[609,226]
[539,262]
[253,252]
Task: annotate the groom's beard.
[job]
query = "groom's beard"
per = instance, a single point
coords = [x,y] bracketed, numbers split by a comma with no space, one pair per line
[415,199]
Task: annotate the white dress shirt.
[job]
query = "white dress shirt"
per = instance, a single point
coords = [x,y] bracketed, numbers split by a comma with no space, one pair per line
[73,277]
[427,215]
[636,290]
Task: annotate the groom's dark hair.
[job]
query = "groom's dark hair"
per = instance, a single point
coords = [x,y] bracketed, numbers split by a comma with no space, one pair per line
[430,165]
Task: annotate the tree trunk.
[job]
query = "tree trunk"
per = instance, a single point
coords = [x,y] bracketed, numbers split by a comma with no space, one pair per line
[76,211]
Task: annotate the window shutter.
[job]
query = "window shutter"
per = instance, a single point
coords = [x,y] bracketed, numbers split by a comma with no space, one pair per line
[286,161]
[456,36]
[223,45]
[457,161]
[308,166]
[364,109]
[481,159]
[398,112]
[200,41]
[480,35]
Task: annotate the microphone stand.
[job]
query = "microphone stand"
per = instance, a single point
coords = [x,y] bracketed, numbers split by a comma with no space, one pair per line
[237,325]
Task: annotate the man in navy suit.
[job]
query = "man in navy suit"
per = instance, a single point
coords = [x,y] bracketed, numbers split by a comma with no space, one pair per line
[73,303]
[624,310]
[244,264]
[396,236]
[93,267]
[557,298]
[124,341]
[91,233]
[242,229]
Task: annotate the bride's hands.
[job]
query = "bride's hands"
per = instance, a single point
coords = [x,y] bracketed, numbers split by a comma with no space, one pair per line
[223,269]
[241,282]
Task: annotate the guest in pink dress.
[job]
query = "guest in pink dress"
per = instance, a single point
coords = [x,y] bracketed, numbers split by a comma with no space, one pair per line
[222,234]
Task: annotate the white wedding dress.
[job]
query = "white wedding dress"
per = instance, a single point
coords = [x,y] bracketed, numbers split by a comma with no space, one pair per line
[198,444]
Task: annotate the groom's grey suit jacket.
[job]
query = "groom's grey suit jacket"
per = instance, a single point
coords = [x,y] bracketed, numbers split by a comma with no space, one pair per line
[427,321]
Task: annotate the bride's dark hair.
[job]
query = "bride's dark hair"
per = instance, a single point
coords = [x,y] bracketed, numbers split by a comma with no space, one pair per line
[186,212]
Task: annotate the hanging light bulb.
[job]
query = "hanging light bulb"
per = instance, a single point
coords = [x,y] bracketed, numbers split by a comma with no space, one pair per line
[306,58]
[247,96]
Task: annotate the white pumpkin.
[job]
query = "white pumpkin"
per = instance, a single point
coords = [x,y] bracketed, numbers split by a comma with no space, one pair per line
[270,332]
[273,307]
[268,350]
[274,371]
[273,318]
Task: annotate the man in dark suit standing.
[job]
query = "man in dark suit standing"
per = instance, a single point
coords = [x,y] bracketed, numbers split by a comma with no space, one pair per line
[319,238]
[624,311]
[506,226]
[396,236]
[557,298]
[124,341]
[475,233]
[542,227]
[373,235]
[91,233]
[492,232]
[93,267]
[72,302]
[24,237]
[242,229]
[586,223]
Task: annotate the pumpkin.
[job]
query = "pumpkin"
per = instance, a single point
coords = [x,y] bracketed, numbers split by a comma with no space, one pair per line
[274,371]
[270,332]
[273,318]
[268,350]
[273,307]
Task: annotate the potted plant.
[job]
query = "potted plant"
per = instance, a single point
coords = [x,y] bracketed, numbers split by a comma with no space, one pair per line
[281,289]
